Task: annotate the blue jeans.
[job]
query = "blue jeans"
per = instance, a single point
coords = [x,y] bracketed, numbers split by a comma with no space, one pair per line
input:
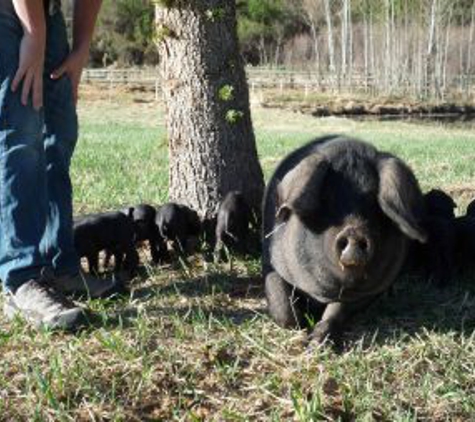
[35,156]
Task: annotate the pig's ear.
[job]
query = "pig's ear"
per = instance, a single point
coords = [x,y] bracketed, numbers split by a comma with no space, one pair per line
[299,190]
[400,197]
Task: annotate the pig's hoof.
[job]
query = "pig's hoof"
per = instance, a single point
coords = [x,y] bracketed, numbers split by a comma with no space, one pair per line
[325,334]
[320,333]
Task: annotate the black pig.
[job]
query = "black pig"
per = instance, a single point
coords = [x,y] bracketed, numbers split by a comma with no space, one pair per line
[233,223]
[109,231]
[435,259]
[471,209]
[178,223]
[465,240]
[338,217]
[439,204]
[146,229]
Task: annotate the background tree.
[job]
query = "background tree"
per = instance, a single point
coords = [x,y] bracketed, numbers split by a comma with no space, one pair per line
[264,26]
[411,48]
[124,34]
[212,148]
[312,13]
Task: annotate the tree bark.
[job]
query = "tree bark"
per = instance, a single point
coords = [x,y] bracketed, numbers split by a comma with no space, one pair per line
[212,148]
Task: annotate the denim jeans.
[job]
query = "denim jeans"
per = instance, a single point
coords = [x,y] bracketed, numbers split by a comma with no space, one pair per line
[35,156]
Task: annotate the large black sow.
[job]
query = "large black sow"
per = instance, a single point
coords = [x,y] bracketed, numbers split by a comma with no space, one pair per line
[338,218]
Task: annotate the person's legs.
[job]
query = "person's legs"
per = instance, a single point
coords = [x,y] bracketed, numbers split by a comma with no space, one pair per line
[23,192]
[61,132]
[23,198]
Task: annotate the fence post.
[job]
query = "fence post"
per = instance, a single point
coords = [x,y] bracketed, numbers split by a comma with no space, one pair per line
[111,86]
[156,90]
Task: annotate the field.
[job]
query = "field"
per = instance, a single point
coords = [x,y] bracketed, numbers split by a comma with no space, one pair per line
[193,341]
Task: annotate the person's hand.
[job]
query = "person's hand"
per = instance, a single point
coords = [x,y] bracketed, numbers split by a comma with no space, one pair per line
[30,69]
[72,66]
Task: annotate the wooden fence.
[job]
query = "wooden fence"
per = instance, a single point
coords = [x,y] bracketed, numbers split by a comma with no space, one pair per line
[282,80]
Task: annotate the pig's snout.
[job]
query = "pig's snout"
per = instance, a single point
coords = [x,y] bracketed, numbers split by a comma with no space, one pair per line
[353,248]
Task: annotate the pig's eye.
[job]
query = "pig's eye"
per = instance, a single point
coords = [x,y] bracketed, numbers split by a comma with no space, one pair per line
[283,213]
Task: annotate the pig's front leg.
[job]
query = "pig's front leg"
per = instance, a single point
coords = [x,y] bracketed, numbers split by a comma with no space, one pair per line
[283,307]
[335,315]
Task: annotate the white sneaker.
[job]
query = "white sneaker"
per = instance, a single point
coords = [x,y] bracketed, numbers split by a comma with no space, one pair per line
[42,306]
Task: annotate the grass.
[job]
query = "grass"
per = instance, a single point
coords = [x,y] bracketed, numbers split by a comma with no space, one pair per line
[195,343]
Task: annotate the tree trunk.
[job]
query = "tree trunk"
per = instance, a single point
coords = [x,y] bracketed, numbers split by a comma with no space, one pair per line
[350,46]
[387,49]
[316,52]
[431,50]
[311,13]
[366,49]
[372,66]
[470,42]
[393,64]
[420,64]
[212,148]
[446,51]
[331,49]
[408,45]
[344,38]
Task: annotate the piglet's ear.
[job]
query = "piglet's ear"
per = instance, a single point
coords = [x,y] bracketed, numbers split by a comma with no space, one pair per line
[400,197]
[299,190]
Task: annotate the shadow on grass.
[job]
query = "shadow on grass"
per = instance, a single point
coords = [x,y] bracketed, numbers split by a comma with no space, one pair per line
[208,285]
[197,299]
[415,307]
[192,314]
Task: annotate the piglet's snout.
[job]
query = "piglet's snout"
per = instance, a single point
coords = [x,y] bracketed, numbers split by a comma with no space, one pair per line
[353,248]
